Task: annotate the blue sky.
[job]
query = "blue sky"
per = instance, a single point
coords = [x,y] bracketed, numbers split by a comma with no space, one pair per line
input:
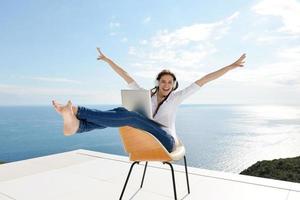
[48,49]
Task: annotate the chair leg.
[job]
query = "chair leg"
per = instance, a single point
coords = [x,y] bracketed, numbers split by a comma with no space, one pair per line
[144,174]
[173,178]
[187,176]
[127,178]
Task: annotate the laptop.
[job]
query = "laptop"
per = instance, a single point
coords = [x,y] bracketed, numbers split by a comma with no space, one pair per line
[138,101]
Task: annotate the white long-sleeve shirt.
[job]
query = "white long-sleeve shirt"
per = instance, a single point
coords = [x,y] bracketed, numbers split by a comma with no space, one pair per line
[166,114]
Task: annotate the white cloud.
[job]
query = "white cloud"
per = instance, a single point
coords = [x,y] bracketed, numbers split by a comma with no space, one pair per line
[112,33]
[287,10]
[182,49]
[147,20]
[273,74]
[132,50]
[26,90]
[51,79]
[194,33]
[284,72]
[291,53]
[143,42]
[114,25]
[270,38]
[124,39]
[48,79]
[275,21]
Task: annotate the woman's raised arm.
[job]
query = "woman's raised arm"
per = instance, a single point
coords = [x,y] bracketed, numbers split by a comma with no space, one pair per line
[220,72]
[115,67]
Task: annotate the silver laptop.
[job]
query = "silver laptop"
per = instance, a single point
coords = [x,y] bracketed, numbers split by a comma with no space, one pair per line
[138,101]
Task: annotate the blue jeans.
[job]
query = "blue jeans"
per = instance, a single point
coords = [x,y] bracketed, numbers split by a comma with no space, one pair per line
[91,119]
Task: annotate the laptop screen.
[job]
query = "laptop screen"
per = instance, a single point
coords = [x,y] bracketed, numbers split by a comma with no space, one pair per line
[138,101]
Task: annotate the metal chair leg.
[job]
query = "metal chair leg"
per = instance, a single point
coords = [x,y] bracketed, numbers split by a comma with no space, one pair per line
[173,178]
[127,178]
[187,176]
[144,175]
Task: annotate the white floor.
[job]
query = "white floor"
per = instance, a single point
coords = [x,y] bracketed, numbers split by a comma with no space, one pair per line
[90,175]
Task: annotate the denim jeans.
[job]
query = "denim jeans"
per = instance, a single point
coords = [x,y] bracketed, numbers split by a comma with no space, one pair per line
[91,119]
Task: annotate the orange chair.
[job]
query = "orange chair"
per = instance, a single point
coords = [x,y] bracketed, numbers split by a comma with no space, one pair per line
[143,146]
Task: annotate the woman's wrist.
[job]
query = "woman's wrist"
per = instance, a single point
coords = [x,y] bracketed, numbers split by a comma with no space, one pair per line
[106,59]
[231,66]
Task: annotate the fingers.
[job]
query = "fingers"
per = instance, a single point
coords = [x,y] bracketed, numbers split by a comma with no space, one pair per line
[243,57]
[54,103]
[101,55]
[241,63]
[100,58]
[99,51]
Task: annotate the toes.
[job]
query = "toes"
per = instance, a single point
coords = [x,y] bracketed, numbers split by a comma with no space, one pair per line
[56,109]
[55,103]
[62,108]
[57,106]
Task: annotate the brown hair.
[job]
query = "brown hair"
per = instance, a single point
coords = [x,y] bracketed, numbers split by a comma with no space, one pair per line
[156,88]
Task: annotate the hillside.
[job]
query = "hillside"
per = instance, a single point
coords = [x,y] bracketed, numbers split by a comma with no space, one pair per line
[287,169]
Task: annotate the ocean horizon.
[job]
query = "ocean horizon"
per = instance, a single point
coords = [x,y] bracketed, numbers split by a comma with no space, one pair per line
[223,137]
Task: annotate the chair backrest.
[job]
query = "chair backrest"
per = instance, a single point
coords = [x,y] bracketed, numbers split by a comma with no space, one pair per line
[143,146]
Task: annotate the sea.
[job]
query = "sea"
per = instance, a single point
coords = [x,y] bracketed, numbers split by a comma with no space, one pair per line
[226,138]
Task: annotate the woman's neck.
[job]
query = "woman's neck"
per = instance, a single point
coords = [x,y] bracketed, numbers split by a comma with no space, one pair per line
[160,97]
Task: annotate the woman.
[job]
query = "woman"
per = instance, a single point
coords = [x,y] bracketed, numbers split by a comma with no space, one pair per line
[164,104]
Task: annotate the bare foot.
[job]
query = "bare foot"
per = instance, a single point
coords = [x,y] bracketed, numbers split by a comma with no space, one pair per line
[71,123]
[58,107]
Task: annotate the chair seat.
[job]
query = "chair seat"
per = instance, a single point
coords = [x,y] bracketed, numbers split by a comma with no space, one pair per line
[143,146]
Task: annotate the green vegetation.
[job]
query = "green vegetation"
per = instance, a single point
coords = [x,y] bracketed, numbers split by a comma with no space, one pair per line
[1,162]
[287,169]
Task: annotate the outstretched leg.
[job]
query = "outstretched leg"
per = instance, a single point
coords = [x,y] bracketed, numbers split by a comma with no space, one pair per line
[71,123]
[90,119]
[120,116]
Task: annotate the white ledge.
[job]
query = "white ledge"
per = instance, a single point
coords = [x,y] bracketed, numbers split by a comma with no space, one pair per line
[89,175]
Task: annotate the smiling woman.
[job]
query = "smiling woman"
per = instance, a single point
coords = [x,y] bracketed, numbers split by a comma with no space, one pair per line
[164,99]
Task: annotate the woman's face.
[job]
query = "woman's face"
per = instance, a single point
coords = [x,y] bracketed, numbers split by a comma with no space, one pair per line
[165,85]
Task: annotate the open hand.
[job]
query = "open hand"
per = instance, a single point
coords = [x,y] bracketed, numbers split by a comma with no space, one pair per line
[240,62]
[101,56]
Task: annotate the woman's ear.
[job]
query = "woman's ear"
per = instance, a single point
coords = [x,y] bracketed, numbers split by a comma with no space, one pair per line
[174,84]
